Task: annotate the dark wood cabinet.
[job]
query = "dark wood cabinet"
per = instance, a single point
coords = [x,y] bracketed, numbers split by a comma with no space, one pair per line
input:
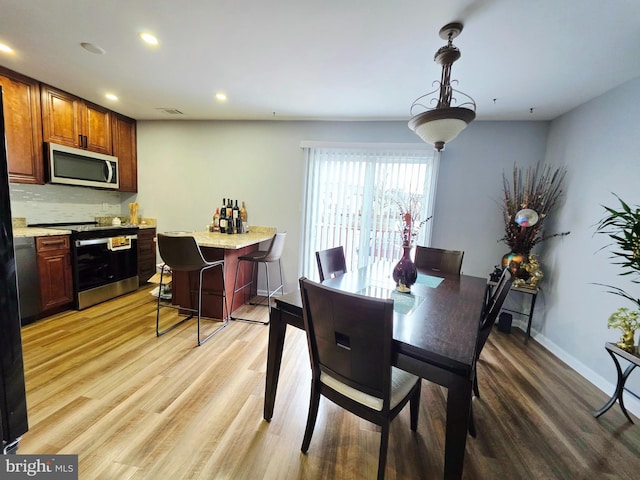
[69,120]
[125,148]
[23,127]
[146,254]
[54,269]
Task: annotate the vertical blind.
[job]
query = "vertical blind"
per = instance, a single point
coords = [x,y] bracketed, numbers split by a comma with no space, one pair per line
[352,199]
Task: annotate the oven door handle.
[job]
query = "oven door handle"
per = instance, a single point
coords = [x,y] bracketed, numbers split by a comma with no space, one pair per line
[93,241]
[99,241]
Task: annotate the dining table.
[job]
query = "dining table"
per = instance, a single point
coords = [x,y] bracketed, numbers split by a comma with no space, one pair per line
[435,330]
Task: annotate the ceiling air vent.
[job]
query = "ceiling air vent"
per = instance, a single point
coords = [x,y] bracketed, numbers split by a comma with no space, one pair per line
[171,111]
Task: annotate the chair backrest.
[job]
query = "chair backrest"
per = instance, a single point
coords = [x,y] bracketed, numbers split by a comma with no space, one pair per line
[492,309]
[438,260]
[275,248]
[180,252]
[331,262]
[349,337]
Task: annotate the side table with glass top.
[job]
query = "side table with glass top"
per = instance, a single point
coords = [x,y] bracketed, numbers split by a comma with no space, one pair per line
[533,291]
[634,361]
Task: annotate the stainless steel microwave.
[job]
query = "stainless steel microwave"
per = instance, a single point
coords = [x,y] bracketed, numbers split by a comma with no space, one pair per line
[73,166]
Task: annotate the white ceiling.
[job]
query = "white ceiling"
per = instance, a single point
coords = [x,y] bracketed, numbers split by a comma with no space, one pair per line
[323,59]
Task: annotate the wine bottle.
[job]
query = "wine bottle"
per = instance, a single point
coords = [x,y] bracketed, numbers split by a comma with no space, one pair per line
[230,225]
[216,221]
[243,213]
[236,212]
[223,217]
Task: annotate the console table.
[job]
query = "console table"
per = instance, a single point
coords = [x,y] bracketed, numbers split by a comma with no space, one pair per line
[533,291]
[634,358]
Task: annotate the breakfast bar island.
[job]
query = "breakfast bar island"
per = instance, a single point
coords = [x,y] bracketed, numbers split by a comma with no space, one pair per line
[220,246]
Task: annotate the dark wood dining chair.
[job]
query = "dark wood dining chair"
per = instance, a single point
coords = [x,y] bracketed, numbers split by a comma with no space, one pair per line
[438,260]
[181,253]
[349,338]
[331,262]
[488,319]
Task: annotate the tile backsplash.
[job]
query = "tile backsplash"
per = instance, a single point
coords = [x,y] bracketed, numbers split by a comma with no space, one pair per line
[61,203]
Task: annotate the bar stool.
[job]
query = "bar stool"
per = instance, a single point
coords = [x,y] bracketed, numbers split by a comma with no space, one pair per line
[265,257]
[181,253]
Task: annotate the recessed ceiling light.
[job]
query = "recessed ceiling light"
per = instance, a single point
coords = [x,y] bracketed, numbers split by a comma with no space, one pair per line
[148,38]
[90,47]
[5,48]
[221,97]
[111,96]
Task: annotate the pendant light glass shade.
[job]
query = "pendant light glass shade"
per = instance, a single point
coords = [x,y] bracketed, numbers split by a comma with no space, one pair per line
[440,126]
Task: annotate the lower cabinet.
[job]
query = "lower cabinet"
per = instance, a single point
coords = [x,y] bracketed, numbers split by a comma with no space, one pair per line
[146,254]
[54,269]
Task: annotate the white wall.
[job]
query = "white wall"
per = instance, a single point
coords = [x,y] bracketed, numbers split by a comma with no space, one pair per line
[186,168]
[599,141]
[468,214]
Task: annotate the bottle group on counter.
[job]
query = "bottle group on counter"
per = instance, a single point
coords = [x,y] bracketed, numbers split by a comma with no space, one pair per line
[229,218]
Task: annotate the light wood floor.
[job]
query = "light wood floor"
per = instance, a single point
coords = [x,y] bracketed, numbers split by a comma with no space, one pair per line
[133,406]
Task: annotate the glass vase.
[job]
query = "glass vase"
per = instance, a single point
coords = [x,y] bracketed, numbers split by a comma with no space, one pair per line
[516,262]
[405,273]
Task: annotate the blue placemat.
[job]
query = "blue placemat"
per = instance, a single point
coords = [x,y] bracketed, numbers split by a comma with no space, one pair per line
[403,303]
[428,280]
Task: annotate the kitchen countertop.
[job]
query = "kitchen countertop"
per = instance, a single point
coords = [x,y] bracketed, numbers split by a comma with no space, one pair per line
[38,232]
[45,232]
[235,241]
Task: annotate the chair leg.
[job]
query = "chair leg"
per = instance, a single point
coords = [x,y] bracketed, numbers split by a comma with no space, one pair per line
[225,307]
[472,425]
[384,443]
[414,406]
[248,320]
[314,403]
[476,390]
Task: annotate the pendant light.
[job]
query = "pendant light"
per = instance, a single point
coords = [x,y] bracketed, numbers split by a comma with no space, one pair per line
[441,124]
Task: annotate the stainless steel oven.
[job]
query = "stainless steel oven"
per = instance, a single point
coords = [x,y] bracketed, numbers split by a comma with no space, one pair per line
[104,261]
[104,267]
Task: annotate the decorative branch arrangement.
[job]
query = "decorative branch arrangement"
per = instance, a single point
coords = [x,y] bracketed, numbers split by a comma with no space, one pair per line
[537,188]
[409,225]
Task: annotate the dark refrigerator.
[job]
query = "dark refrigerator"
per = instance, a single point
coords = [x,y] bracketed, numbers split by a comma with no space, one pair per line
[13,402]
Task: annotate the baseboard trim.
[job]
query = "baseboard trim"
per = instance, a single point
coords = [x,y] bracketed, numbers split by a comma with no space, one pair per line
[631,401]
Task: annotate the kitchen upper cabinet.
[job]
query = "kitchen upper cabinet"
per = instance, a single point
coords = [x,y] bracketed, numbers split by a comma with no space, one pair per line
[23,127]
[69,120]
[124,147]
[54,270]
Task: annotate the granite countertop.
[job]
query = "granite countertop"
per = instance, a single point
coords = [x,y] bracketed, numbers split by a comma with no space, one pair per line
[235,241]
[45,232]
[38,232]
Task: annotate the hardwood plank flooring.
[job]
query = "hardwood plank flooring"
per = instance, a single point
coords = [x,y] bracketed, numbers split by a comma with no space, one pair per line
[133,406]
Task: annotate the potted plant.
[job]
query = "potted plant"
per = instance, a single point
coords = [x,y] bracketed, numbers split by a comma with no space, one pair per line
[627,321]
[623,227]
[534,192]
